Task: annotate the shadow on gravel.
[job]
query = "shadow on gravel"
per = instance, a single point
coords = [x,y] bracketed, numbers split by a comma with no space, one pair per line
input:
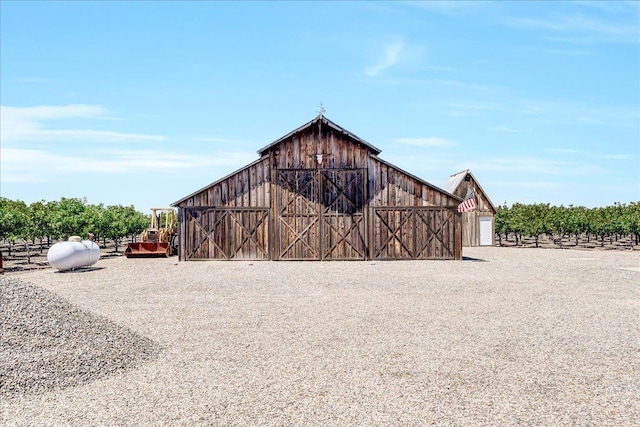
[468,258]
[47,343]
[80,270]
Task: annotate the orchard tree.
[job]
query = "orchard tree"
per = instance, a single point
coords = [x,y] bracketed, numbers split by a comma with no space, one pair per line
[633,217]
[137,222]
[96,222]
[68,218]
[538,220]
[13,220]
[518,220]
[502,219]
[40,218]
[123,221]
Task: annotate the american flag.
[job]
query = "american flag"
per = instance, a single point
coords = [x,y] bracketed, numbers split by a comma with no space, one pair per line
[469,203]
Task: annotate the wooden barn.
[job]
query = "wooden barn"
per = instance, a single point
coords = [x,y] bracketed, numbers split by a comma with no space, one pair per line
[319,193]
[477,225]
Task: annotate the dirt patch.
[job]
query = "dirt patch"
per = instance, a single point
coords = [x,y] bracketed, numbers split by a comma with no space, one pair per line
[624,243]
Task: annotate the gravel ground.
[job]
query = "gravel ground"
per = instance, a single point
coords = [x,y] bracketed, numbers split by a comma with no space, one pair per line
[46,343]
[506,337]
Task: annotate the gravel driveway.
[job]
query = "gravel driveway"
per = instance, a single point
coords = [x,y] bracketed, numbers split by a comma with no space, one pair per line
[505,337]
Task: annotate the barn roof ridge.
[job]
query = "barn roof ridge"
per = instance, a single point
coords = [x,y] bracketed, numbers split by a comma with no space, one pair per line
[327,122]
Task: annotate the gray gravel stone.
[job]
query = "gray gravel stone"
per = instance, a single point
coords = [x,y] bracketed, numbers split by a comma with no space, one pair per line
[529,337]
[47,343]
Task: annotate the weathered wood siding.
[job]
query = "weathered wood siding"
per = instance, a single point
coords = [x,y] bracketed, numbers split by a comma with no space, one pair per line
[339,152]
[408,218]
[319,214]
[289,206]
[217,222]
[225,233]
[470,220]
[390,186]
[247,188]
[415,233]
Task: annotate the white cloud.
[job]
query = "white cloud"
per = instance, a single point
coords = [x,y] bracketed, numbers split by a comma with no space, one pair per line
[531,185]
[618,157]
[391,54]
[549,111]
[54,112]
[578,27]
[33,80]
[31,165]
[227,141]
[427,142]
[481,106]
[28,124]
[535,165]
[570,52]
[565,151]
[509,129]
[449,7]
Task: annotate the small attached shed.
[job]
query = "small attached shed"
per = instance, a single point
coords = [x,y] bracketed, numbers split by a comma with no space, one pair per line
[319,193]
[477,225]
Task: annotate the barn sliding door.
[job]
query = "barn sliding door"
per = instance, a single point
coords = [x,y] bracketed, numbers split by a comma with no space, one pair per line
[319,214]
[413,233]
[298,215]
[343,227]
[227,233]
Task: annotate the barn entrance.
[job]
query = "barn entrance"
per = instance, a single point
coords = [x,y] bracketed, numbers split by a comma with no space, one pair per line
[227,233]
[320,214]
[413,233]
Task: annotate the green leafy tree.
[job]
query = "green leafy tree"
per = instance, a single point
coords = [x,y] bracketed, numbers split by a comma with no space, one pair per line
[538,220]
[68,218]
[13,221]
[502,218]
[578,222]
[137,222]
[96,222]
[122,223]
[600,223]
[633,217]
[40,218]
[518,220]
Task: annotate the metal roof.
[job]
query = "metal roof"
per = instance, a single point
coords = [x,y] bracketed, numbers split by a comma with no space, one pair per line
[456,179]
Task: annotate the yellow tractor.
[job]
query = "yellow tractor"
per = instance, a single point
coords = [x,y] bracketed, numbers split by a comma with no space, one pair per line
[159,240]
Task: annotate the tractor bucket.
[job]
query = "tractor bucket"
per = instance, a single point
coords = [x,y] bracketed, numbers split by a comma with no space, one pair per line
[147,249]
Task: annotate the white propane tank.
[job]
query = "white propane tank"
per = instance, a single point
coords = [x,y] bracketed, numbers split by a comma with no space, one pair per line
[74,253]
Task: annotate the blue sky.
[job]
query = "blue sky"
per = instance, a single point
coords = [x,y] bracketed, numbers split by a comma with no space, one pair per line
[142,103]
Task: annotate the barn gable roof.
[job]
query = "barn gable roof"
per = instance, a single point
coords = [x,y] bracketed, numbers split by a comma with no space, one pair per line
[325,122]
[456,179]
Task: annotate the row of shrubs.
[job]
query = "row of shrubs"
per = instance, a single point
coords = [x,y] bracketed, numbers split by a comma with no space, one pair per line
[44,222]
[574,222]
